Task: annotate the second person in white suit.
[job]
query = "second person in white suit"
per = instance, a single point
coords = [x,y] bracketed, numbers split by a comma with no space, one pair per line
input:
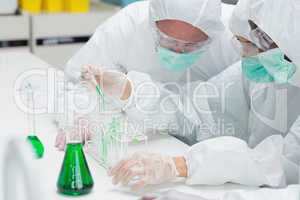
[261,103]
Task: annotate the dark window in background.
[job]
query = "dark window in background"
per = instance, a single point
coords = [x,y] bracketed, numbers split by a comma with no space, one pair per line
[230,1]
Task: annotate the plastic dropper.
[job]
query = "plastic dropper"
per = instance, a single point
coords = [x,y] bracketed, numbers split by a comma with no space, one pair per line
[98,88]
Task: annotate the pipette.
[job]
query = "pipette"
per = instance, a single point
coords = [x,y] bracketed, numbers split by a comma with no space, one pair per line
[97,86]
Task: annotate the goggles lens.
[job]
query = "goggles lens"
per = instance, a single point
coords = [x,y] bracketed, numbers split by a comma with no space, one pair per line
[174,44]
[261,39]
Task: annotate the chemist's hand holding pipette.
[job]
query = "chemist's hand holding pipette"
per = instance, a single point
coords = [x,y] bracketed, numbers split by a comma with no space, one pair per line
[113,87]
[112,83]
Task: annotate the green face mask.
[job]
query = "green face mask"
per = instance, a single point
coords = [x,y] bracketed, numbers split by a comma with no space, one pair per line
[270,66]
[276,65]
[178,61]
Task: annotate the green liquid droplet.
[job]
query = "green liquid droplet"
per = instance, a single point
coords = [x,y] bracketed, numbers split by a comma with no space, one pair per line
[37,145]
[75,178]
[99,91]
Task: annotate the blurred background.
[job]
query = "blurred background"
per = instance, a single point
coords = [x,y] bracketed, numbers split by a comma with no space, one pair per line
[54,29]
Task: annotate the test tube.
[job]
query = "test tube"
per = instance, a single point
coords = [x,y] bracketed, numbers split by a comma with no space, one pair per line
[117,143]
[36,143]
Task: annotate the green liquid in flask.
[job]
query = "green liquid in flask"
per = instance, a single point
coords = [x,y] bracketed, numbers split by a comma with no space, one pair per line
[75,177]
[37,145]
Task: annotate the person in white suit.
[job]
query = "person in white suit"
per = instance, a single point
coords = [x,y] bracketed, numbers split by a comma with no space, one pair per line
[173,42]
[164,38]
[262,104]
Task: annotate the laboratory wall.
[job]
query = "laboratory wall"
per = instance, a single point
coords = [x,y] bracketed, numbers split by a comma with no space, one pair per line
[230,1]
[51,30]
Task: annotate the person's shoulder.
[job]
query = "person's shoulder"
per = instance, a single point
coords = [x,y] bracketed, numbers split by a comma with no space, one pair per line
[138,11]
[227,10]
[128,19]
[133,18]
[137,5]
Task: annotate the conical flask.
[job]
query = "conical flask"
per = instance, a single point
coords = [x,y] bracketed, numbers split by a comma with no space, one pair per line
[75,177]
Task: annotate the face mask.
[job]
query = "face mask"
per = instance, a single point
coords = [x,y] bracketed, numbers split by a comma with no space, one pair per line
[277,66]
[254,71]
[269,66]
[178,61]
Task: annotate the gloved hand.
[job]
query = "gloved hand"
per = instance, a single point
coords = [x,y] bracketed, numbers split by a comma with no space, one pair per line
[112,83]
[143,169]
[172,195]
[60,141]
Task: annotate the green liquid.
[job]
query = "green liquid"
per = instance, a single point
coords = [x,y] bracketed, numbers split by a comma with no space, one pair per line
[37,145]
[109,139]
[75,177]
[100,93]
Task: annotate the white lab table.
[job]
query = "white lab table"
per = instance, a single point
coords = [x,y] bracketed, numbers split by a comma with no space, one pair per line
[13,121]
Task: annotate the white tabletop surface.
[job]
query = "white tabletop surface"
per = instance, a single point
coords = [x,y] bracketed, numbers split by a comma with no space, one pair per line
[13,121]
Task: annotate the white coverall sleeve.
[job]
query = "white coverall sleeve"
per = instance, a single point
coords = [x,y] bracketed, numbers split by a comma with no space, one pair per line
[274,162]
[150,106]
[228,159]
[195,111]
[106,48]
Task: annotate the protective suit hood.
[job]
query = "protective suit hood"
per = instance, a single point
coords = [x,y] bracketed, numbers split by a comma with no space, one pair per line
[277,18]
[203,14]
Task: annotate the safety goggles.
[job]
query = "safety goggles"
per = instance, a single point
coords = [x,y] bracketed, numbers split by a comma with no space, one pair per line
[176,44]
[259,42]
[261,39]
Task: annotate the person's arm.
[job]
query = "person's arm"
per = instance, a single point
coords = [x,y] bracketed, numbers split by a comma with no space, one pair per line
[274,162]
[144,107]
[104,50]
[107,47]
[192,112]
[229,159]
[218,161]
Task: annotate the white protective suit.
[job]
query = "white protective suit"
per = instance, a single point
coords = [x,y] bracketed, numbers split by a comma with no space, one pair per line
[266,113]
[264,116]
[126,42]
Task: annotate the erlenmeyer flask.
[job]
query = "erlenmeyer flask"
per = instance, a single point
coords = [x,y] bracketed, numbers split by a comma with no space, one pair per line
[75,177]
